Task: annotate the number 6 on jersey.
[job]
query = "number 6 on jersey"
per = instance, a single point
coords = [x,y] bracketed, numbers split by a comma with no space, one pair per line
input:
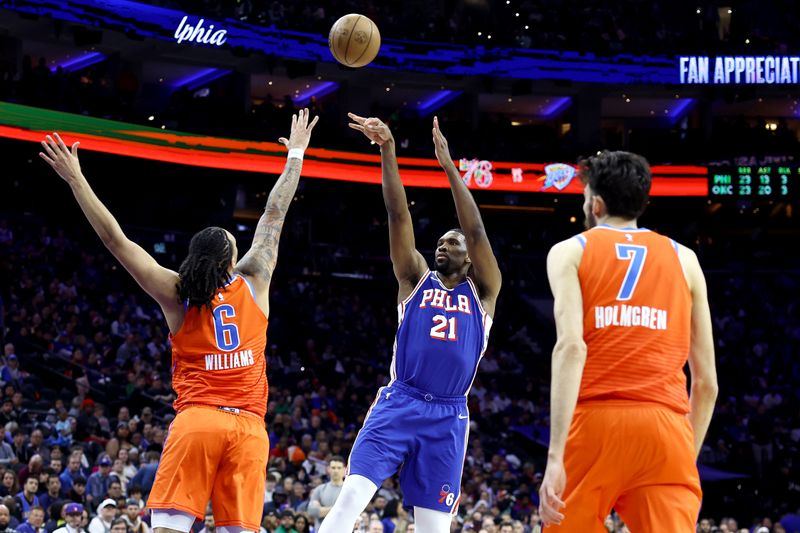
[227,334]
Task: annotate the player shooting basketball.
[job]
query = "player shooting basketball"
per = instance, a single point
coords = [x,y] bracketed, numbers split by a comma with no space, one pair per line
[420,419]
[630,309]
[216,308]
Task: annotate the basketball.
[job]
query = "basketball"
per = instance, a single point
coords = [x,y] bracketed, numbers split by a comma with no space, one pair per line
[354,40]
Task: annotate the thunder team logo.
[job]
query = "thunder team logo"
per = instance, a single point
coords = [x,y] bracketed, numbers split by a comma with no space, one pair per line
[558,175]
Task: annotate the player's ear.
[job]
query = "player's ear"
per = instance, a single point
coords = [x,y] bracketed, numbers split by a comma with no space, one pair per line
[598,206]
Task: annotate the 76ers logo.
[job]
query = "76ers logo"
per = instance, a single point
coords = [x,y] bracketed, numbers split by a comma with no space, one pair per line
[446,497]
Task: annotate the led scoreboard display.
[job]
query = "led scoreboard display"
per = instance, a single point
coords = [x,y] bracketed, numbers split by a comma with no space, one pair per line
[764,181]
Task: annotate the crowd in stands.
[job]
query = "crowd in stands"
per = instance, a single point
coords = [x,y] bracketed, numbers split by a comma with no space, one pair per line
[86,382]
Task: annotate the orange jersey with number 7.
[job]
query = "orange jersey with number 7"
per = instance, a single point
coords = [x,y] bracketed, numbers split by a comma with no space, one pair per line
[637,310]
[218,355]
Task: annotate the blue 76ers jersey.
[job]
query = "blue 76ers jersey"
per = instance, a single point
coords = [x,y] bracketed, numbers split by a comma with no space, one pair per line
[441,337]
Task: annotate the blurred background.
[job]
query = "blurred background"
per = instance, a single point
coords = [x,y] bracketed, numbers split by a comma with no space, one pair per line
[179,135]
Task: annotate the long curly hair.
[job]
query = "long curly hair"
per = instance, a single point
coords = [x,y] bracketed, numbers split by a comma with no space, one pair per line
[205,269]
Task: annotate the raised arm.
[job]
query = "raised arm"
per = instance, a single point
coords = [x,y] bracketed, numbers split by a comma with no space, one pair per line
[409,265]
[157,281]
[569,357]
[701,350]
[258,263]
[485,271]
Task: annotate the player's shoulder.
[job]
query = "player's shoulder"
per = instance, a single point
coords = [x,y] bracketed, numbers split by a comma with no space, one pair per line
[572,247]
[565,254]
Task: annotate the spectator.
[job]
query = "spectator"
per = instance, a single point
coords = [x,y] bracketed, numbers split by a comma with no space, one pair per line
[5,520]
[20,450]
[77,493]
[297,499]
[147,473]
[301,523]
[10,372]
[133,518]
[34,467]
[53,494]
[100,481]
[106,512]
[120,441]
[7,455]
[394,517]
[72,473]
[37,446]
[63,428]
[7,413]
[128,468]
[323,497]
[135,494]
[34,522]
[10,484]
[118,525]
[287,522]
[73,513]
[27,499]
[114,489]
[55,516]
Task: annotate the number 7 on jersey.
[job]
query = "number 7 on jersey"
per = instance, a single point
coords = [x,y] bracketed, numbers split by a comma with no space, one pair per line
[636,255]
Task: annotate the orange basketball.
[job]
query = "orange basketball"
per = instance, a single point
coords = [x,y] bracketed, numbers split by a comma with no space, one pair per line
[354,40]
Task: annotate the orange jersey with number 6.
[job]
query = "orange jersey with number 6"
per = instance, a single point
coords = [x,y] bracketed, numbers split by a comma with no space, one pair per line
[218,354]
[637,310]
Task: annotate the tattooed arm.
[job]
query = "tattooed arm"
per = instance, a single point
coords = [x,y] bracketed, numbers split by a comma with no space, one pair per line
[258,264]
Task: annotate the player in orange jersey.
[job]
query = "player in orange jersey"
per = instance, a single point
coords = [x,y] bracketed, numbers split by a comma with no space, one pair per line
[630,309]
[216,308]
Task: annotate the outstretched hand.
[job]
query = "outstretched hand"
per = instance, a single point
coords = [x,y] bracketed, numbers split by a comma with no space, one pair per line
[62,159]
[440,146]
[301,131]
[374,128]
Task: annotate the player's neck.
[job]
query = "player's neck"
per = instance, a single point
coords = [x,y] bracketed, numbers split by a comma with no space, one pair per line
[450,280]
[617,222]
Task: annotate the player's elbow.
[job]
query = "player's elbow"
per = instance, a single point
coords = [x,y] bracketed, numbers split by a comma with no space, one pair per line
[705,387]
[570,348]
[398,214]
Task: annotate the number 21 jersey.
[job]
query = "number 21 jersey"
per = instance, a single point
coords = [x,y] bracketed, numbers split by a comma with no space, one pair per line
[441,337]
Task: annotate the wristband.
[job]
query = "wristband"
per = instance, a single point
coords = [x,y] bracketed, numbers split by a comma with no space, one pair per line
[295,153]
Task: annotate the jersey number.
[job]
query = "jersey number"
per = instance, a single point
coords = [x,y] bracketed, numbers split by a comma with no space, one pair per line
[227,335]
[444,328]
[636,255]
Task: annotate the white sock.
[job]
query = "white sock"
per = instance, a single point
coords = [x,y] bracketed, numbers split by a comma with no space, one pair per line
[356,494]
[430,521]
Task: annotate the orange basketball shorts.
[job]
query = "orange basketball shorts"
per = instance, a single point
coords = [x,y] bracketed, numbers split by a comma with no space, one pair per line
[212,454]
[633,457]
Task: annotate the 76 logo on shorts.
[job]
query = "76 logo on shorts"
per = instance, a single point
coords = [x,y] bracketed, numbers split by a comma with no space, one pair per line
[446,497]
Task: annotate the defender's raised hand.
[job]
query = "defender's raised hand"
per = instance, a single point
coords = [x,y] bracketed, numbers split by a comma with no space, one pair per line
[301,131]
[374,128]
[63,160]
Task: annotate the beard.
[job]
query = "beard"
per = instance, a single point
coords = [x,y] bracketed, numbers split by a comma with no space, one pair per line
[442,266]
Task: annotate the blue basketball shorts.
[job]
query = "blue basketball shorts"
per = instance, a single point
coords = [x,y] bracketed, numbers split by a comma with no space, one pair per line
[424,435]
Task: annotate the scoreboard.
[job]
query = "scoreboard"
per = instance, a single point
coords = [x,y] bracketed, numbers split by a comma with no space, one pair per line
[775,182]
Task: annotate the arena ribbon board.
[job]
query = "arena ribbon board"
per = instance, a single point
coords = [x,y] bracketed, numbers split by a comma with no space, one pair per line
[132,140]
